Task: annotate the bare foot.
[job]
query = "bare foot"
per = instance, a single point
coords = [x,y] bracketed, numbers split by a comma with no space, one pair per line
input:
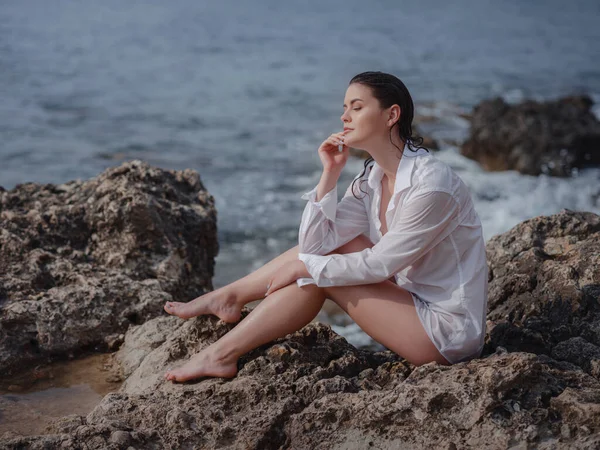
[204,364]
[215,302]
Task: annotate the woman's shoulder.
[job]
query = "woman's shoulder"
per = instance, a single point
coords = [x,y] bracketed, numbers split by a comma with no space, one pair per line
[431,173]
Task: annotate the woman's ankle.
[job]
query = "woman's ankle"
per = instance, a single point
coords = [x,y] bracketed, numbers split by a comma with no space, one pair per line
[230,296]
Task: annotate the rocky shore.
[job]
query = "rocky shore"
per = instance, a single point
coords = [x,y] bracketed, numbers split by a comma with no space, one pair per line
[555,137]
[88,265]
[82,261]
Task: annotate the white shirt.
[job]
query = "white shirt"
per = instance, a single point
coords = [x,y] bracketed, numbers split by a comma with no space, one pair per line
[434,247]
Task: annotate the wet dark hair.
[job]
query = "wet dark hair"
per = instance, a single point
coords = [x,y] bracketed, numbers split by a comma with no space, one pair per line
[389,90]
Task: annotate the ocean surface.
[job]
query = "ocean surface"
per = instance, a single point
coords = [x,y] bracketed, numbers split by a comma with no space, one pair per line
[244,93]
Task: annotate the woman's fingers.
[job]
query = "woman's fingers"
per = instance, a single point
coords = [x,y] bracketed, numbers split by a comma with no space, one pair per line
[336,139]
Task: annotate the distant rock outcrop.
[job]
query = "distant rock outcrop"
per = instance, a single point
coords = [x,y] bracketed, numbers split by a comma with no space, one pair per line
[555,137]
[81,261]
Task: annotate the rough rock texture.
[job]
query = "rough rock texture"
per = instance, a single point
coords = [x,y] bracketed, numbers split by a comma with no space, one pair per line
[536,385]
[313,390]
[544,288]
[556,137]
[81,261]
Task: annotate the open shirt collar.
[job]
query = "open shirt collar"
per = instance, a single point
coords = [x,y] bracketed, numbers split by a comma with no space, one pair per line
[403,174]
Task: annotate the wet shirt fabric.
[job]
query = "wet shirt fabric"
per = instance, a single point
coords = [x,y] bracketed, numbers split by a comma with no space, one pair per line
[434,247]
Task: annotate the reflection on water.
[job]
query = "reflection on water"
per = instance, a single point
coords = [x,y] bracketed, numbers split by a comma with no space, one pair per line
[32,400]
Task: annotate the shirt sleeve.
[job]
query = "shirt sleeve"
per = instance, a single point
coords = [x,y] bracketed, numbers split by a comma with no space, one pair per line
[327,225]
[424,220]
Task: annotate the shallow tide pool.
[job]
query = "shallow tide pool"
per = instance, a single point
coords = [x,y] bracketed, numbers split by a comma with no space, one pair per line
[30,401]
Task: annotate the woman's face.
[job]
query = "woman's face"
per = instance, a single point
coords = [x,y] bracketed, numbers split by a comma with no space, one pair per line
[364,116]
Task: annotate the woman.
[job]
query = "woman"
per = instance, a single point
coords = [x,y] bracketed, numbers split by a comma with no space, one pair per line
[406,260]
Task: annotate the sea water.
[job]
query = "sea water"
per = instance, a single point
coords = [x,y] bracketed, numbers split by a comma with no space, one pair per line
[244,93]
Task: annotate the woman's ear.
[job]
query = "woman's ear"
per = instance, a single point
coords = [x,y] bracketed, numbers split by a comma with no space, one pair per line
[394,115]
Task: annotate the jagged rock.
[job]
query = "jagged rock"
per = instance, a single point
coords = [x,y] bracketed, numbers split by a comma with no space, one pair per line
[81,261]
[535,386]
[544,288]
[555,137]
[141,340]
[312,389]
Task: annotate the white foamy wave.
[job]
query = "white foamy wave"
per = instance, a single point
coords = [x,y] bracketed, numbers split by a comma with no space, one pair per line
[513,96]
[503,199]
[447,123]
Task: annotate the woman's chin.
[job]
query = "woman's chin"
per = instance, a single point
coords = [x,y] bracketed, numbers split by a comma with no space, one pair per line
[355,145]
[349,142]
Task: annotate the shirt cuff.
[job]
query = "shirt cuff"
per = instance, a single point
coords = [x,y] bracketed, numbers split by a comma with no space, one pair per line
[315,265]
[304,281]
[328,204]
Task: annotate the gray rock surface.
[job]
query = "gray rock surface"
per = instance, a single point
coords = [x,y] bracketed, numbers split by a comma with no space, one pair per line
[82,261]
[313,390]
[535,386]
[544,288]
[555,137]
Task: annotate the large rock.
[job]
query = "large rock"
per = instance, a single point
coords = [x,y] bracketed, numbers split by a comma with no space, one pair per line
[544,288]
[312,389]
[555,137]
[535,386]
[81,261]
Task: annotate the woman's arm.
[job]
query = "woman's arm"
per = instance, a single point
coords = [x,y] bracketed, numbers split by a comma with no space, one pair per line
[424,221]
[327,225]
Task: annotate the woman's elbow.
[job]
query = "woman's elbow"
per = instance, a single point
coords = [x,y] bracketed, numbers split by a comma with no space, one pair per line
[313,248]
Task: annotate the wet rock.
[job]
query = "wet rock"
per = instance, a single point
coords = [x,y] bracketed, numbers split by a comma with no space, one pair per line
[555,137]
[82,261]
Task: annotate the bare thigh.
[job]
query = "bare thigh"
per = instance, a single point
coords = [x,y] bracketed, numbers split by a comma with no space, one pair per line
[386,312]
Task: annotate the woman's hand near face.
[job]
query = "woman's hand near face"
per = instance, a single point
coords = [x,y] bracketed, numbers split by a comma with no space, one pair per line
[333,160]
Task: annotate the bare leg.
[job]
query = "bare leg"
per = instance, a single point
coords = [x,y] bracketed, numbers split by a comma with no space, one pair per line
[383,310]
[227,302]
[285,311]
